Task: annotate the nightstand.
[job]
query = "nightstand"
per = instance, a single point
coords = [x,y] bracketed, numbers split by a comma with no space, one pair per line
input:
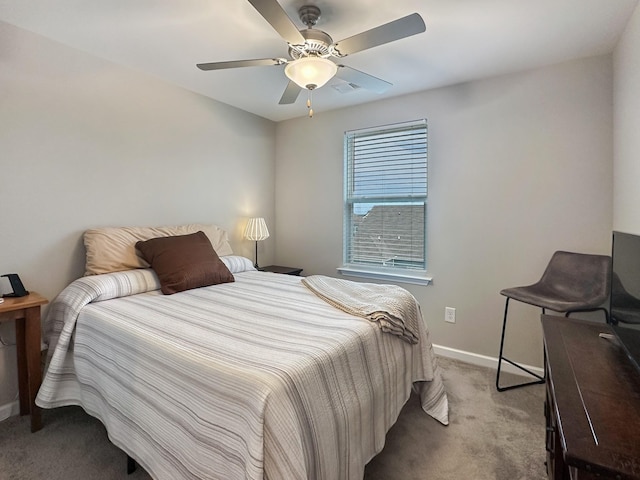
[26,313]
[280,269]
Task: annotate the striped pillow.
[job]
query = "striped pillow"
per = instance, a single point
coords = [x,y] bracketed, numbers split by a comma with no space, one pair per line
[237,264]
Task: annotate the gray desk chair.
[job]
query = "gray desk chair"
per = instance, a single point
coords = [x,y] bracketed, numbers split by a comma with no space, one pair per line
[572,282]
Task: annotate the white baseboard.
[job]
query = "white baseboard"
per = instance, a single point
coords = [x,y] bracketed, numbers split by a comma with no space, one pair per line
[9,410]
[482,360]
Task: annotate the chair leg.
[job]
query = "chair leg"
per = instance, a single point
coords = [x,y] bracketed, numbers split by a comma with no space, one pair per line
[504,326]
[502,358]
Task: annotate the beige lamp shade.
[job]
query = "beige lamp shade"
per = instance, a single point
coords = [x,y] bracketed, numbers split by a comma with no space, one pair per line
[256,229]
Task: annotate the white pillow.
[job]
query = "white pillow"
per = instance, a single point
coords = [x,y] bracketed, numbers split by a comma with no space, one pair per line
[112,249]
[237,264]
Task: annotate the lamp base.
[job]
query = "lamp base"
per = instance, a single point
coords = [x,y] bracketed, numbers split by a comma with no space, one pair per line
[255,265]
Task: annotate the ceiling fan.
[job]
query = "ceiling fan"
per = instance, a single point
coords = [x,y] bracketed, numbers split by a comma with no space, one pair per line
[310,50]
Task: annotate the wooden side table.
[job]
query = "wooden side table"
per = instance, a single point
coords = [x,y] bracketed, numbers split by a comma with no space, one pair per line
[25,311]
[280,269]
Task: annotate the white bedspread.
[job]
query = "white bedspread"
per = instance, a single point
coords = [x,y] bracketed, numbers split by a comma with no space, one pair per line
[257,379]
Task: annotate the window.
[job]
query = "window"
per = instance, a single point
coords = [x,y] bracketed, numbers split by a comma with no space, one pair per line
[385,200]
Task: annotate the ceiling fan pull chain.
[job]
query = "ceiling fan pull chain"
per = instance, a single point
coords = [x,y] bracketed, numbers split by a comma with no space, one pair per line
[309,98]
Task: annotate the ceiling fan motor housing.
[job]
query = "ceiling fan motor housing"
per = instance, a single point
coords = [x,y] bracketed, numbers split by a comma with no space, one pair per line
[309,14]
[317,44]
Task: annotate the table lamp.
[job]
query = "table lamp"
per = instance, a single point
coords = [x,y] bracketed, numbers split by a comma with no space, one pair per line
[256,230]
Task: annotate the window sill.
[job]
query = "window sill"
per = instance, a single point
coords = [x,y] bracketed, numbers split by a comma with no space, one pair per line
[415,278]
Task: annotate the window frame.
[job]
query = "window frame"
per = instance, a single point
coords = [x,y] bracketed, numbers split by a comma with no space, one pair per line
[350,198]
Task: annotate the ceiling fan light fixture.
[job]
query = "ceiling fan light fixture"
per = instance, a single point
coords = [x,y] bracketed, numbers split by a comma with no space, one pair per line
[310,72]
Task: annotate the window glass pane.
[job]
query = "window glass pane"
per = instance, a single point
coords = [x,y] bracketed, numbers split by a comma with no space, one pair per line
[389,235]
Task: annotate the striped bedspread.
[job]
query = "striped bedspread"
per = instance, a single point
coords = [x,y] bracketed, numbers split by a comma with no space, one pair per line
[256,379]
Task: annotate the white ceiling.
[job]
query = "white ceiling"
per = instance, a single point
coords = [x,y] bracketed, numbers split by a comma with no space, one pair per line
[464,40]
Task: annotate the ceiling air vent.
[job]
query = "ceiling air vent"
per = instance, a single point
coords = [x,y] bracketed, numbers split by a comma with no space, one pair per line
[346,87]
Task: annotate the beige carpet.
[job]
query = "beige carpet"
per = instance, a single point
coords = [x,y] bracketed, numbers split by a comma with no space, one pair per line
[491,436]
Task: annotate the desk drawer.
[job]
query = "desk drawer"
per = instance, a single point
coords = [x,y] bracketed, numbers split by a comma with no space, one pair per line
[576,474]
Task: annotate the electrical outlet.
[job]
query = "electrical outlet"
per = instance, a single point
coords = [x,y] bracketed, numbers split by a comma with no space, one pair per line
[450,314]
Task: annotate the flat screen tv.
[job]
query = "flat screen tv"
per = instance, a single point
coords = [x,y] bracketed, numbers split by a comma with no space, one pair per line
[624,307]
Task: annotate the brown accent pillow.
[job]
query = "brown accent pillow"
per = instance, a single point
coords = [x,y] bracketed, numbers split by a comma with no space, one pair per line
[184,262]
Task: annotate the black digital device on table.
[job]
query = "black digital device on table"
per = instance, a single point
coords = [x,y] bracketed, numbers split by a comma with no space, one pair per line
[624,301]
[17,287]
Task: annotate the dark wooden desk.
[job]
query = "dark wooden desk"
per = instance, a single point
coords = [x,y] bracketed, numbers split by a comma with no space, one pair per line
[593,403]
[25,311]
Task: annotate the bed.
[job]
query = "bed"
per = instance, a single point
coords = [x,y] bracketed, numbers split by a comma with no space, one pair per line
[256,378]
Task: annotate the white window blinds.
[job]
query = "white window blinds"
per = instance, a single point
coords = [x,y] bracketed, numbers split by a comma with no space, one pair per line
[386,196]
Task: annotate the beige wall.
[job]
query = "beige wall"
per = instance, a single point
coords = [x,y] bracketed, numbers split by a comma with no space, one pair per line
[85,143]
[626,179]
[519,166]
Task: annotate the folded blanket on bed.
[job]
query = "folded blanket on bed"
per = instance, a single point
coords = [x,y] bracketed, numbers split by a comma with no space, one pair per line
[393,308]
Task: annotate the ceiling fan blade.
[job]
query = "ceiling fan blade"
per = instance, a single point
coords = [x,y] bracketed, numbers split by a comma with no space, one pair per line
[279,20]
[241,63]
[290,94]
[389,32]
[361,79]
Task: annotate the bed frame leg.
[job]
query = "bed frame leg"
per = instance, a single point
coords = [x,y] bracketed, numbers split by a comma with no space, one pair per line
[131,465]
